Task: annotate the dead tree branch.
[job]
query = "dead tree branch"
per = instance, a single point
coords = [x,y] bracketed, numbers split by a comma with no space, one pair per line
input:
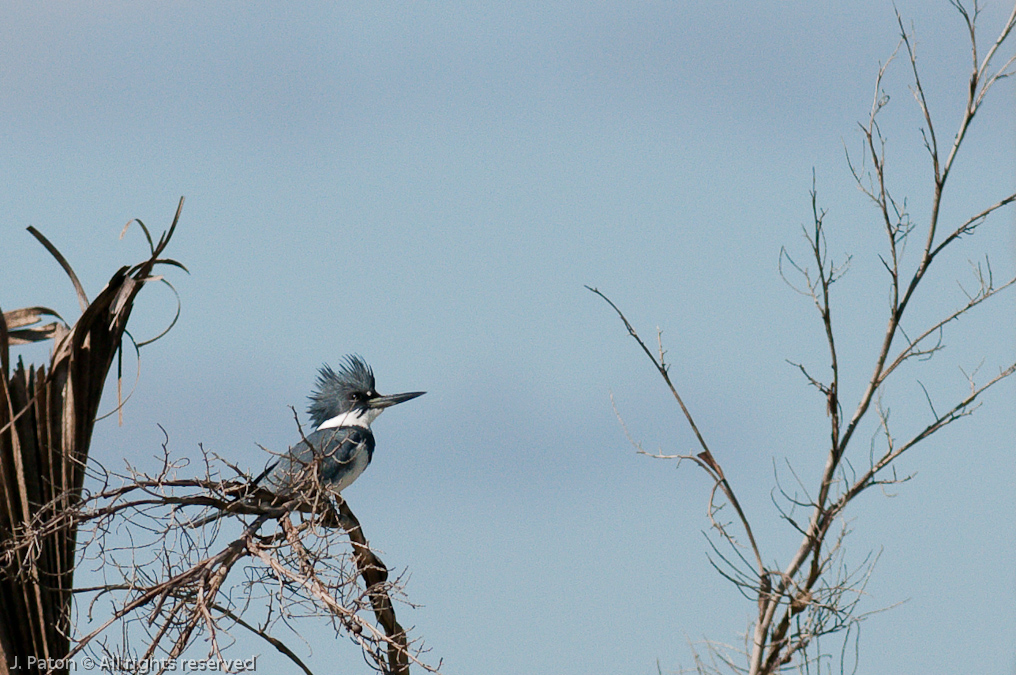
[815,594]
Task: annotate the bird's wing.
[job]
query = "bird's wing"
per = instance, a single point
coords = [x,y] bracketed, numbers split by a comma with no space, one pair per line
[334,453]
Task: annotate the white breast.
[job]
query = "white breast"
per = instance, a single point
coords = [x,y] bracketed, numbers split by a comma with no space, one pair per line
[359,463]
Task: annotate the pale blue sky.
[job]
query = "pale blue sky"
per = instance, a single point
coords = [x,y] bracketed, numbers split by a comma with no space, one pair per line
[430,185]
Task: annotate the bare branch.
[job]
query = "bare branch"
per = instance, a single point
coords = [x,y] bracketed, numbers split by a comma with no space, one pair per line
[705,458]
[816,594]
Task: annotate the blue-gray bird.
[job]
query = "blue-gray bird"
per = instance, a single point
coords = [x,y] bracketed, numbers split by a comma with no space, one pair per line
[342,445]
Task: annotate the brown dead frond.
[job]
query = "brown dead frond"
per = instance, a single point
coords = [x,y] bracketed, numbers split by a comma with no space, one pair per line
[46,420]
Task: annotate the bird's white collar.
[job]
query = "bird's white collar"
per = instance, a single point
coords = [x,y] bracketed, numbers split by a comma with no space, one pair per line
[358,417]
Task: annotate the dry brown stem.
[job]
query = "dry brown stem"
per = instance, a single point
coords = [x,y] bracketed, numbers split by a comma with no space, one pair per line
[169,585]
[814,593]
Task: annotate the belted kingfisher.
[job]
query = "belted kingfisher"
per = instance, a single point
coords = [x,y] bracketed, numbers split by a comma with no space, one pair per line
[342,445]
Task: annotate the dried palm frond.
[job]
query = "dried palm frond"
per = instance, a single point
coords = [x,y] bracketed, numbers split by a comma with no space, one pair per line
[46,421]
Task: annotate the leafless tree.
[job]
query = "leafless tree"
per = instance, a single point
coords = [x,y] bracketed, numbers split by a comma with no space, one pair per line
[273,564]
[813,592]
[166,582]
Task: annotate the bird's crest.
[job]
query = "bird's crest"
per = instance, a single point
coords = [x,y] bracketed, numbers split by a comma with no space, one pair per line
[331,397]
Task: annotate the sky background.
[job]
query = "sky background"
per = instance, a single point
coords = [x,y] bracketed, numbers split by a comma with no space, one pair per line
[430,185]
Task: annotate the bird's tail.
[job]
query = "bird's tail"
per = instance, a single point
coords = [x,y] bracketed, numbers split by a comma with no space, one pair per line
[216,516]
[205,521]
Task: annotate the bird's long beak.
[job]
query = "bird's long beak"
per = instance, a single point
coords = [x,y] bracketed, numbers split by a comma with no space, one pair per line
[382,402]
